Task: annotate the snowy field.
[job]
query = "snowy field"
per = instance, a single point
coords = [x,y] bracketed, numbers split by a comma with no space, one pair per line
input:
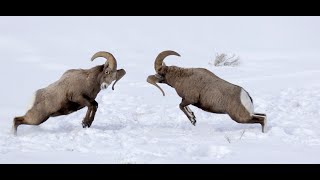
[280,68]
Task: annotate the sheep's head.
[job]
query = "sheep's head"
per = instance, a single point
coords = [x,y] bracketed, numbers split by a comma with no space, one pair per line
[161,69]
[110,72]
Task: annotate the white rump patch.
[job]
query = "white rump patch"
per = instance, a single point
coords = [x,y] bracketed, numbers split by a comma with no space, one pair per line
[246,101]
[31,101]
[104,86]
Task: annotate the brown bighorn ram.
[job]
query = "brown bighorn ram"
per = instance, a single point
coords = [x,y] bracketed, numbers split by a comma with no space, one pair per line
[205,90]
[76,89]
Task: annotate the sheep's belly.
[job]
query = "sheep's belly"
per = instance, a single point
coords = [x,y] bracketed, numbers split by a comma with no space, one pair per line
[69,108]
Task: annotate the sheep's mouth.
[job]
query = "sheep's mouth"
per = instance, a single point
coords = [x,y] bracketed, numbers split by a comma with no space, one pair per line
[158,76]
[104,86]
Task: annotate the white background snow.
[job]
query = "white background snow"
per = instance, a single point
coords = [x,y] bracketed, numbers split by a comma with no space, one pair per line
[280,68]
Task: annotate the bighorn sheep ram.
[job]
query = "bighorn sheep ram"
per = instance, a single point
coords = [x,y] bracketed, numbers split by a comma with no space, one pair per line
[76,89]
[205,90]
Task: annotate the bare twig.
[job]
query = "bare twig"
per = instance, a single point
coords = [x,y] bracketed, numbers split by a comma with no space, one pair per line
[228,139]
[242,133]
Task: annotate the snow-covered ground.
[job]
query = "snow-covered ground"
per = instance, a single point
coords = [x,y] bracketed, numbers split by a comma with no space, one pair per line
[280,68]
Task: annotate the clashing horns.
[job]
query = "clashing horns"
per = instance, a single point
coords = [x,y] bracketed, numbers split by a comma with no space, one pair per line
[78,88]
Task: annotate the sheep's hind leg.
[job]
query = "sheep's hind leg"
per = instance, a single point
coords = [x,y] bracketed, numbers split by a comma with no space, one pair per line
[35,119]
[260,118]
[16,122]
[187,111]
[257,118]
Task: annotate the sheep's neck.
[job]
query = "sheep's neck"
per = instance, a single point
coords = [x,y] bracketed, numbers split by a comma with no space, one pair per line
[94,78]
[174,75]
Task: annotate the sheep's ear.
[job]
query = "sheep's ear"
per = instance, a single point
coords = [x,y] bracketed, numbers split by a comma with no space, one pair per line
[120,74]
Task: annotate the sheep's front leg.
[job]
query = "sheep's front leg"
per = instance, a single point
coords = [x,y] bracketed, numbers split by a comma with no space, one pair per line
[85,101]
[190,112]
[86,118]
[187,111]
[93,113]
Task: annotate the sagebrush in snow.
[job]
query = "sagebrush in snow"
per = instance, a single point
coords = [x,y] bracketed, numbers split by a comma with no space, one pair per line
[225,60]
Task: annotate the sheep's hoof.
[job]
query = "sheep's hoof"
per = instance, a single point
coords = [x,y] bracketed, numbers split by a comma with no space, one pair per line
[194,122]
[85,124]
[263,125]
[14,131]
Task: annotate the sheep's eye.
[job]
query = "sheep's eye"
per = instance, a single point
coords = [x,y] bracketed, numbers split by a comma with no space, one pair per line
[107,72]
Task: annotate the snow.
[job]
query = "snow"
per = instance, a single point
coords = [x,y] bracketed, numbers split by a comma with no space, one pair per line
[135,124]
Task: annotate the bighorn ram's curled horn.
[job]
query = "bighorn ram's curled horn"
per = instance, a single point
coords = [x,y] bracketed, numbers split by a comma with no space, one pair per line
[159,60]
[120,74]
[110,59]
[152,79]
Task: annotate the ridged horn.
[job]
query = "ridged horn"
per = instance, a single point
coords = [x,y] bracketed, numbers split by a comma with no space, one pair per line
[110,59]
[159,60]
[152,79]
